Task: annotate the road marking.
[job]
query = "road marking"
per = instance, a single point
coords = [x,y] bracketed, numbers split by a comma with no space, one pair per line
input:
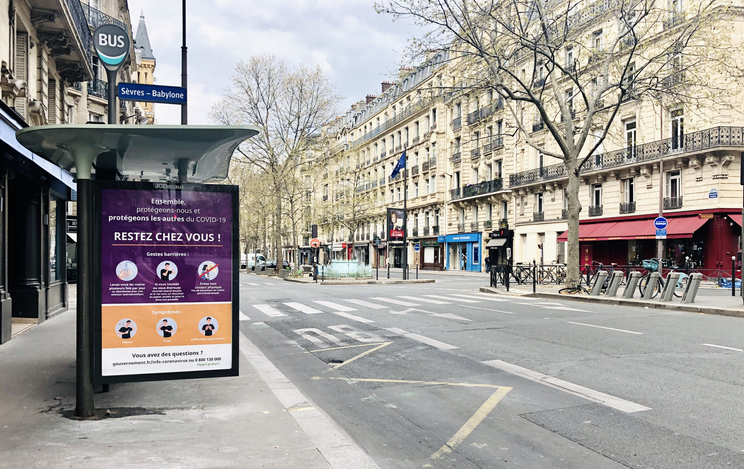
[608,328]
[395,302]
[472,423]
[480,297]
[253,284]
[310,334]
[425,300]
[590,394]
[352,317]
[304,308]
[432,314]
[565,308]
[461,300]
[270,284]
[410,381]
[334,306]
[422,339]
[366,304]
[242,316]
[366,352]
[486,309]
[269,311]
[724,347]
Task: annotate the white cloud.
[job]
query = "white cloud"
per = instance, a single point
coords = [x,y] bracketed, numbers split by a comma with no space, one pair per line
[357,47]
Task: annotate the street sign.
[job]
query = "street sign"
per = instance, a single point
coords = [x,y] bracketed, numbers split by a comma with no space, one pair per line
[660,223]
[315,242]
[417,247]
[111,43]
[661,234]
[713,194]
[152,93]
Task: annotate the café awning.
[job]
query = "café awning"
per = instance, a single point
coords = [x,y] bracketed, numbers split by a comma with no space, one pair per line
[679,227]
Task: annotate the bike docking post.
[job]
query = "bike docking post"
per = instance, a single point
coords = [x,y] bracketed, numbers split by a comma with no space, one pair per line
[630,288]
[669,287]
[653,282]
[534,276]
[615,280]
[693,283]
[597,287]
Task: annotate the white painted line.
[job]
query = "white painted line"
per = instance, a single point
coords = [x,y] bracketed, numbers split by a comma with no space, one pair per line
[304,308]
[460,300]
[269,311]
[607,328]
[481,297]
[566,308]
[352,317]
[590,394]
[270,284]
[487,309]
[334,306]
[425,300]
[253,284]
[395,302]
[243,317]
[367,304]
[549,304]
[333,444]
[724,347]
[422,339]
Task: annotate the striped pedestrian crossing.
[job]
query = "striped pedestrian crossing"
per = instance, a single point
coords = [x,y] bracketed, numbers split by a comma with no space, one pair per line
[395,302]
[426,300]
[366,304]
[303,308]
[334,306]
[461,300]
[269,311]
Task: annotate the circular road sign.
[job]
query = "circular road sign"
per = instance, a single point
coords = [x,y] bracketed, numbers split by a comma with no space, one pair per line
[112,45]
[315,242]
[660,223]
[416,247]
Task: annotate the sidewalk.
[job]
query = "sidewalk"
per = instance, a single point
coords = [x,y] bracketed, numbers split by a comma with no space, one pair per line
[711,300]
[258,419]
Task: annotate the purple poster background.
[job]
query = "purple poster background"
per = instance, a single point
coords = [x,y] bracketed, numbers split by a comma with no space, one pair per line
[143,230]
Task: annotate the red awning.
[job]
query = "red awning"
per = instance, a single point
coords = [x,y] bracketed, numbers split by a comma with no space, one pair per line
[682,227]
[736,217]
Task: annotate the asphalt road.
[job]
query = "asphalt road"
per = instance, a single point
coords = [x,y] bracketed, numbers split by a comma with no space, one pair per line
[440,375]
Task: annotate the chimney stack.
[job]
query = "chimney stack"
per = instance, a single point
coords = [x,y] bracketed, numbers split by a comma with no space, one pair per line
[370,98]
[386,85]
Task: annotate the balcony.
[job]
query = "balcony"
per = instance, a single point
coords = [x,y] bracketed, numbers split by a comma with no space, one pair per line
[96,18]
[433,162]
[538,126]
[383,155]
[374,184]
[539,83]
[504,224]
[627,207]
[457,156]
[425,166]
[426,231]
[415,140]
[382,181]
[475,153]
[487,225]
[414,170]
[474,226]
[538,216]
[325,198]
[461,227]
[398,149]
[481,188]
[456,123]
[675,79]
[671,203]
[693,142]
[415,232]
[98,88]
[67,34]
[456,193]
[564,214]
[675,19]
[473,117]
[595,210]
[435,230]
[396,178]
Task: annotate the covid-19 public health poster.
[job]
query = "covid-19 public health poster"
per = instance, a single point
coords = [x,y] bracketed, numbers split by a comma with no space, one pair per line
[167,281]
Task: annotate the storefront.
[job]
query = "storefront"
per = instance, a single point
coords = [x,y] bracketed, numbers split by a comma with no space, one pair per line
[463,251]
[499,246]
[361,252]
[431,254]
[703,240]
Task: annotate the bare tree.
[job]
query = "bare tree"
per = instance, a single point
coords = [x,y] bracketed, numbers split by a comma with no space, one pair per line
[288,105]
[569,66]
[355,206]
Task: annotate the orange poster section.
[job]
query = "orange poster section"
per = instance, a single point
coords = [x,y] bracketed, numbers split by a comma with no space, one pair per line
[147,320]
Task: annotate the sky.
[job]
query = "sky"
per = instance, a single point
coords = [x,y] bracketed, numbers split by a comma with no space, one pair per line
[355,46]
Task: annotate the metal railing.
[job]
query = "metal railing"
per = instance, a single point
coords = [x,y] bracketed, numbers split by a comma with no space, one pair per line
[475,153]
[473,117]
[415,232]
[627,207]
[426,231]
[98,88]
[473,226]
[595,210]
[564,214]
[715,137]
[538,216]
[96,18]
[487,225]
[456,193]
[671,203]
[414,170]
[481,188]
[457,123]
[461,227]
[538,126]
[435,230]
[457,156]
[82,27]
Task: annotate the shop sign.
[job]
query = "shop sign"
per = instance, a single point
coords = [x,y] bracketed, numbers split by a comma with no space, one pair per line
[429,242]
[165,302]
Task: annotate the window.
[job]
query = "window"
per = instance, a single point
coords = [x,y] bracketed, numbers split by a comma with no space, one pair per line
[678,129]
[569,59]
[674,184]
[565,199]
[570,101]
[457,112]
[596,195]
[415,190]
[540,161]
[399,194]
[415,159]
[630,138]
[392,196]
[490,211]
[457,179]
[538,202]
[57,247]
[628,190]
[433,183]
[504,209]
[475,214]
[434,117]
[474,175]
[522,204]
[597,41]
[497,174]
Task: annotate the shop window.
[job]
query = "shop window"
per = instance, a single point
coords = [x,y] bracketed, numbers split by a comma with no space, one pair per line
[56,231]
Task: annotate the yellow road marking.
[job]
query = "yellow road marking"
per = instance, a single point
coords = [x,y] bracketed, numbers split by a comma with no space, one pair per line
[366,352]
[346,346]
[472,423]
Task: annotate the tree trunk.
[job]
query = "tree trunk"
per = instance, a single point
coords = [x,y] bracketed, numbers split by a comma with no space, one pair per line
[574,208]
[278,231]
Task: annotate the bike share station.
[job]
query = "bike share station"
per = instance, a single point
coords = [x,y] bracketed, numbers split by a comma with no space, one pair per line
[157,292]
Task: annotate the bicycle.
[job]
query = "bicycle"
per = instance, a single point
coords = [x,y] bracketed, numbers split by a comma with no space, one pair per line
[652,265]
[578,288]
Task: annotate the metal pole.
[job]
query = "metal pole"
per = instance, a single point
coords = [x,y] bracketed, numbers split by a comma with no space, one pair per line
[534,276]
[405,219]
[184,67]
[733,275]
[660,242]
[111,75]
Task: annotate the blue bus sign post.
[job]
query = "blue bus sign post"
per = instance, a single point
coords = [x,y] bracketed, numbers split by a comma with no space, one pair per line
[152,93]
[660,223]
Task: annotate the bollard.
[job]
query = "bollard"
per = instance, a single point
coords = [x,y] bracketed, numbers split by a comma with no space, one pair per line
[651,286]
[416,271]
[632,284]
[693,283]
[669,287]
[733,275]
[534,277]
[388,270]
[507,274]
[615,281]
[377,271]
[597,287]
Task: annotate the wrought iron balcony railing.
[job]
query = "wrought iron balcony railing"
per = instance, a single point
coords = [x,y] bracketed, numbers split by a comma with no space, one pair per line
[671,203]
[435,230]
[595,210]
[426,231]
[96,18]
[627,207]
[564,214]
[474,226]
[538,216]
[475,153]
[457,156]
[415,232]
[461,227]
[81,25]
[98,88]
[457,123]
[488,224]
[481,188]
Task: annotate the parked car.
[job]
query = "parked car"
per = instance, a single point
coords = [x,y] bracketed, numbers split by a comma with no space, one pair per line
[272,264]
[252,261]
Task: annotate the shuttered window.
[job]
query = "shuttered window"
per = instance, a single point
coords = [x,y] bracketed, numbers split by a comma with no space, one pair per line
[21,69]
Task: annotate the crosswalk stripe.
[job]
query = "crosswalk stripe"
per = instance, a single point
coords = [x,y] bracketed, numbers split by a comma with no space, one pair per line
[254,284]
[352,317]
[334,306]
[243,317]
[303,308]
[425,300]
[461,300]
[422,339]
[480,297]
[269,311]
[395,302]
[366,304]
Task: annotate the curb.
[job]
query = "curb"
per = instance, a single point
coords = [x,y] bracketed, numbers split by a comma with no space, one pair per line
[625,302]
[359,282]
